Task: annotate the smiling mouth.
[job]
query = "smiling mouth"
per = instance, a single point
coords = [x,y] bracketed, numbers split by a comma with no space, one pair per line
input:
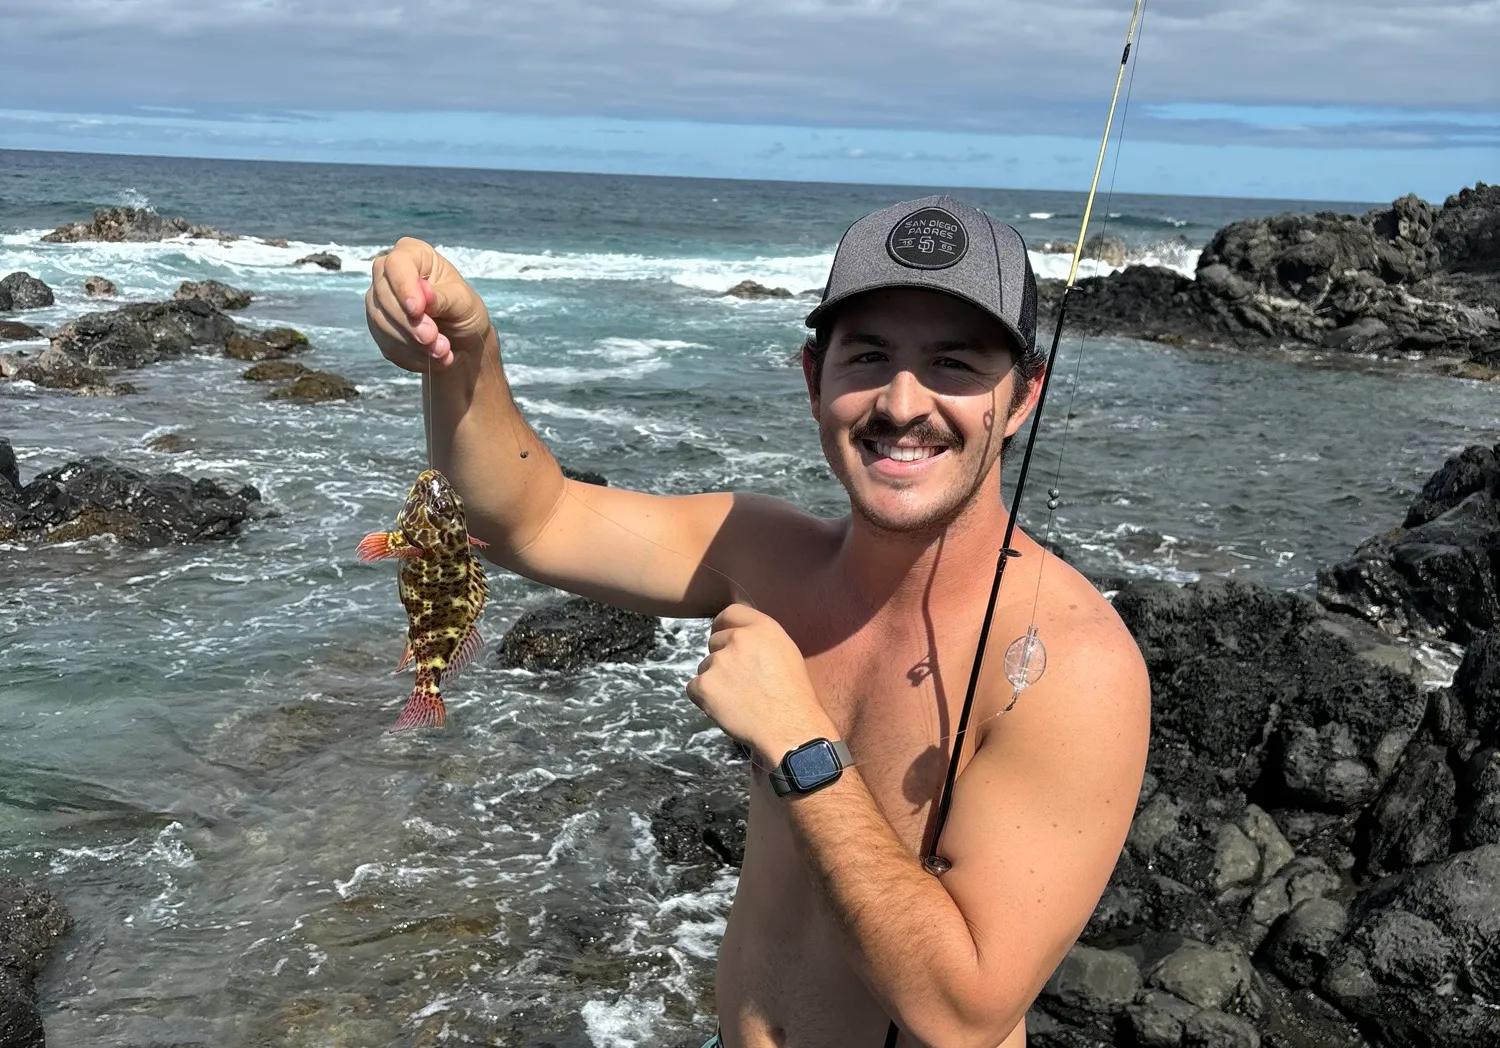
[898,453]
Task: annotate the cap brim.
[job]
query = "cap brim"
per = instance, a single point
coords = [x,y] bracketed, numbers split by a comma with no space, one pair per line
[820,312]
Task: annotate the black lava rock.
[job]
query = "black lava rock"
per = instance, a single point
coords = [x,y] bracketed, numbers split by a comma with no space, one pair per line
[94,496]
[31,923]
[576,632]
[701,828]
[24,291]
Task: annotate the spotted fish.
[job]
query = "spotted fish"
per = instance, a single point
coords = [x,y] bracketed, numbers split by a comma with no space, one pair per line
[443,588]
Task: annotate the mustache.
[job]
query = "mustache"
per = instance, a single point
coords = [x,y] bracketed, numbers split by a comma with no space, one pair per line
[883,429]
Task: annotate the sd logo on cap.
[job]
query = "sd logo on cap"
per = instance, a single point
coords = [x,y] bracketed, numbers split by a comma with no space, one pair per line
[931,238]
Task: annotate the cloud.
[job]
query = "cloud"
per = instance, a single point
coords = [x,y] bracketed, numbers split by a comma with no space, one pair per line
[1011,66]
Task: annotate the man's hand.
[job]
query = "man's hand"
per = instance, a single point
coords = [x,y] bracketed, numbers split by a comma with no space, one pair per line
[754,685]
[418,306]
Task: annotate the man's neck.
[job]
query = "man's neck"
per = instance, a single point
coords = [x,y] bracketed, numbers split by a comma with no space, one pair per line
[892,571]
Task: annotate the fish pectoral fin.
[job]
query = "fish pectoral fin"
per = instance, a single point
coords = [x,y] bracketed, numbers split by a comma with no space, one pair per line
[465,653]
[405,658]
[383,545]
[478,542]
[424,709]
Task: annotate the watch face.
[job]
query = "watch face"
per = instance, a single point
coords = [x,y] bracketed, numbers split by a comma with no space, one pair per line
[812,765]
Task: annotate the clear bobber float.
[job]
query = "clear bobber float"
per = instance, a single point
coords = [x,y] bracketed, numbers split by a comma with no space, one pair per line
[1025,662]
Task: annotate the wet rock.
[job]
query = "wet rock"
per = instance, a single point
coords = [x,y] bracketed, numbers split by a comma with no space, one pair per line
[1419,962]
[275,371]
[1215,1029]
[321,258]
[751,289]
[1476,687]
[572,633]
[217,294]
[31,924]
[1208,976]
[1432,581]
[699,827]
[1411,822]
[10,470]
[14,331]
[130,224]
[585,476]
[99,287]
[55,369]
[1108,249]
[275,242]
[24,291]
[1097,981]
[168,443]
[94,496]
[316,387]
[1299,946]
[1275,851]
[1474,469]
[272,344]
[143,333]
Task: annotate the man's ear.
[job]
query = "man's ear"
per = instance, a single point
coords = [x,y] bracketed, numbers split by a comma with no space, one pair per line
[1023,410]
[808,374]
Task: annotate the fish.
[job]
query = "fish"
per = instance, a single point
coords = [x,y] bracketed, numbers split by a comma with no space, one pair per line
[443,588]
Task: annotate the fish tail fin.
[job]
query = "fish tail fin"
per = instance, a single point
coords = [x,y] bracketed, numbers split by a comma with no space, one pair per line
[383,545]
[424,709]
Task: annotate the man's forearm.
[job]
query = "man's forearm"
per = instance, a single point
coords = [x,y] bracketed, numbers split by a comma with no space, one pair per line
[509,480]
[905,937]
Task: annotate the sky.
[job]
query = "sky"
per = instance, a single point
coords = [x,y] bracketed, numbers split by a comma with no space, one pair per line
[1354,100]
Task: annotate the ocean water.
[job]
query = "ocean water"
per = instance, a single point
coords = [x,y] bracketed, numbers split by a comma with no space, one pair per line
[192,743]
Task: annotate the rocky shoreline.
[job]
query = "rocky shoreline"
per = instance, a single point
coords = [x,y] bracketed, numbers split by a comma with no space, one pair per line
[1408,282]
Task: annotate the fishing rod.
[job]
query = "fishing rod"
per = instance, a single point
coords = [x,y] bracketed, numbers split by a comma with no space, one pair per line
[1026,658]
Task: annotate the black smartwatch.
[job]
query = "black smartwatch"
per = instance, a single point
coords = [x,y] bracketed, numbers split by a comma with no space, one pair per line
[810,767]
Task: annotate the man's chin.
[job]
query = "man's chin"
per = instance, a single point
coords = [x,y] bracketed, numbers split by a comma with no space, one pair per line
[911,521]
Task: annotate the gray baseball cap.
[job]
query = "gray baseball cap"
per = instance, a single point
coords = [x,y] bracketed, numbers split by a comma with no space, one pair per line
[940,244]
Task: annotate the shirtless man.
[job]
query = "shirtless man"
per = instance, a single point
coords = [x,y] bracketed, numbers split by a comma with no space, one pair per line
[859,630]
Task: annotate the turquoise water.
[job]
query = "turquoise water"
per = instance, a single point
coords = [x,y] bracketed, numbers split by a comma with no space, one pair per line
[192,747]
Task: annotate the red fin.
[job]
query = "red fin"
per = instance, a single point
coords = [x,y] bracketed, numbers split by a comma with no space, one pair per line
[424,709]
[405,658]
[383,545]
[478,542]
[465,653]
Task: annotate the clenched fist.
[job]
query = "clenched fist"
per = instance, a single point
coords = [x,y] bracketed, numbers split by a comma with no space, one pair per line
[418,307]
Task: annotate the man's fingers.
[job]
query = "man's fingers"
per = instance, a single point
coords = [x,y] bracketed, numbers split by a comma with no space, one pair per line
[706,664]
[736,615]
[695,692]
[718,639]
[405,267]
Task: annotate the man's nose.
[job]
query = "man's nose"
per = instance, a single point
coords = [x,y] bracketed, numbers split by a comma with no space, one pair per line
[904,399]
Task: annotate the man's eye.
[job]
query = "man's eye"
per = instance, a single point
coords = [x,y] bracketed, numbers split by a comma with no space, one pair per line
[949,362]
[872,357]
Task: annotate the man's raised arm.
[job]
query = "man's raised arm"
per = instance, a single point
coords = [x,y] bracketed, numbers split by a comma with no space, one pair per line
[662,555]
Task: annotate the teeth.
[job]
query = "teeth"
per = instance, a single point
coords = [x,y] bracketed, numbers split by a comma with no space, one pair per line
[900,454]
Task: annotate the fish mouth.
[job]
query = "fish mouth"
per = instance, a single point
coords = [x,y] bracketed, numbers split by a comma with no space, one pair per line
[434,492]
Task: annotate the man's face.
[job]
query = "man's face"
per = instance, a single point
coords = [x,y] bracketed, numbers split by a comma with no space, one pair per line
[913,404]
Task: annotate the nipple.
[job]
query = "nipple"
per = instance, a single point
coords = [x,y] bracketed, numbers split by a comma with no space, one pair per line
[1025,662]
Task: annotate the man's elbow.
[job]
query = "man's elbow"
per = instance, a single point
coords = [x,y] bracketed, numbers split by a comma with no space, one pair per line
[982,1018]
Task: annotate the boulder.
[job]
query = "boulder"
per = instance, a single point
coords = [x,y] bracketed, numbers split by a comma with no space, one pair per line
[1158,1020]
[1098,981]
[315,387]
[573,633]
[99,287]
[24,291]
[701,827]
[1299,946]
[1212,1028]
[1411,823]
[1467,230]
[585,476]
[10,470]
[321,258]
[94,496]
[1419,963]
[750,289]
[215,293]
[130,224]
[14,331]
[1208,976]
[265,345]
[55,369]
[275,371]
[32,922]
[144,333]
[1108,249]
